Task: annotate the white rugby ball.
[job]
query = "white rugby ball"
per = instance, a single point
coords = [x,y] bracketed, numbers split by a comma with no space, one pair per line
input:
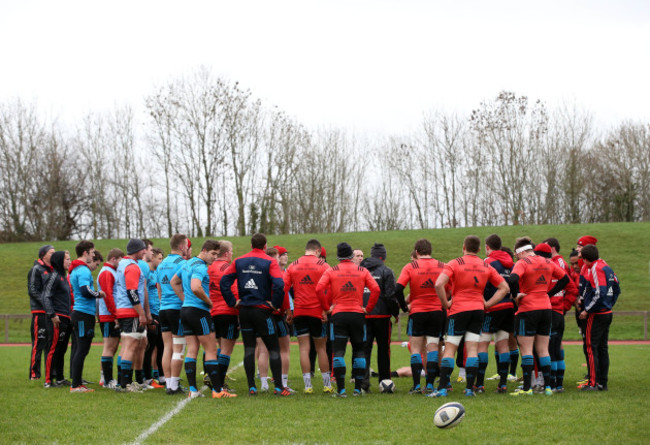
[387,386]
[449,415]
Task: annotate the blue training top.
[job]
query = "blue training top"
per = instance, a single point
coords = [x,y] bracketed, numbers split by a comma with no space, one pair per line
[195,268]
[166,270]
[154,300]
[80,277]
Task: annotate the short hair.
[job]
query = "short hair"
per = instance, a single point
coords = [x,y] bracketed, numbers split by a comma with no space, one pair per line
[115,253]
[258,241]
[224,247]
[574,253]
[589,253]
[554,243]
[313,244]
[423,247]
[272,251]
[210,244]
[472,243]
[414,254]
[147,242]
[523,241]
[157,251]
[176,241]
[82,247]
[98,256]
[493,242]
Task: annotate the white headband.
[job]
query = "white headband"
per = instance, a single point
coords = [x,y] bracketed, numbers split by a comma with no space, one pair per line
[524,248]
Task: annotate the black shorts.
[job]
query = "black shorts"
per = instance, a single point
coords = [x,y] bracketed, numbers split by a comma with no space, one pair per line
[196,321]
[83,325]
[131,325]
[428,324]
[170,321]
[226,326]
[312,326]
[531,323]
[109,330]
[154,332]
[557,325]
[348,325]
[502,320]
[257,320]
[463,322]
[282,325]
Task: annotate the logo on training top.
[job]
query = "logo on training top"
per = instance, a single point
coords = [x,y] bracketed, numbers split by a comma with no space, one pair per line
[348,287]
[164,280]
[250,284]
[541,280]
[475,281]
[252,267]
[429,284]
[307,280]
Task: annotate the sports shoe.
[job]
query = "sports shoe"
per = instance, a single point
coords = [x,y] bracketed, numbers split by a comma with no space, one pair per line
[252,391]
[194,394]
[64,382]
[559,389]
[538,389]
[588,388]
[144,386]
[601,387]
[582,382]
[460,379]
[48,385]
[228,388]
[292,391]
[429,388]
[155,384]
[101,380]
[415,390]
[133,387]
[521,392]
[284,393]
[512,378]
[440,393]
[111,385]
[548,391]
[479,389]
[81,388]
[223,394]
[207,382]
[308,390]
[494,377]
[357,393]
[328,389]
[178,390]
[86,382]
[502,389]
[340,395]
[469,393]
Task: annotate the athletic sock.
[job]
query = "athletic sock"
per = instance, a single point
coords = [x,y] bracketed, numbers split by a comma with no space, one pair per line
[190,372]
[139,376]
[432,367]
[514,360]
[559,376]
[545,367]
[265,383]
[527,366]
[155,374]
[327,380]
[339,372]
[471,370]
[173,383]
[416,369]
[446,368]
[224,363]
[212,368]
[306,379]
[482,366]
[126,373]
[504,365]
[358,371]
[285,380]
[107,368]
[553,381]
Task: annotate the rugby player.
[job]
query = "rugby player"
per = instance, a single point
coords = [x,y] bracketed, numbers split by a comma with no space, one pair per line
[340,291]
[261,291]
[83,311]
[107,316]
[152,365]
[301,277]
[468,276]
[530,279]
[426,317]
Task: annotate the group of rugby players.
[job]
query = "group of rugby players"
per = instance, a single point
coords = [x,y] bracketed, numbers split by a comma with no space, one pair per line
[157,310]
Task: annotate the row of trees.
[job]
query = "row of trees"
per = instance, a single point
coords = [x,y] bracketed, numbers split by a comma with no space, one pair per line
[210,159]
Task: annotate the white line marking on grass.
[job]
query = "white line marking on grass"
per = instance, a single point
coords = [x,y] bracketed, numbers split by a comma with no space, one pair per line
[164,419]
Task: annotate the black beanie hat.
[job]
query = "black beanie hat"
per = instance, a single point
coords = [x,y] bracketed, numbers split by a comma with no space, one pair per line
[343,251]
[43,250]
[378,251]
[135,245]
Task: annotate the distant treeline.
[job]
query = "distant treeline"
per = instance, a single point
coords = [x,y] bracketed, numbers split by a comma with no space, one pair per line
[210,159]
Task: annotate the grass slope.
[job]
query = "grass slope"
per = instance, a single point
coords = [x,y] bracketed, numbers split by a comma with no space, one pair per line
[34,414]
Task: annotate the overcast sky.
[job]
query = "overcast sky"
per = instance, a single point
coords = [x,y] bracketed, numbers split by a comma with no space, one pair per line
[370,66]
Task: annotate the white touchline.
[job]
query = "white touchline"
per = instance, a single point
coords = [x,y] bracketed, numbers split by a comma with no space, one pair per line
[164,419]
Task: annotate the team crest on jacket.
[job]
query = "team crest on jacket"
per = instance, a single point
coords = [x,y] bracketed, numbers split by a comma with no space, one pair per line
[250,284]
[348,287]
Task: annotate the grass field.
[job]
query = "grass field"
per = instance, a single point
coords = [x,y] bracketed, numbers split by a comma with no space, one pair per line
[623,245]
[33,414]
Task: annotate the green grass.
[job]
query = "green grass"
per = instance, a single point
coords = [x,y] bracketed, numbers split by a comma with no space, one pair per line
[34,414]
[623,245]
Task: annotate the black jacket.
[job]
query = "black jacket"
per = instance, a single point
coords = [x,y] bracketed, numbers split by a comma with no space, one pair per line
[36,279]
[56,295]
[383,275]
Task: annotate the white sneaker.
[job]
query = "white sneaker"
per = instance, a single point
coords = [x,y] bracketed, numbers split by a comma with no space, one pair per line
[132,387]
[111,385]
[494,377]
[512,378]
[195,395]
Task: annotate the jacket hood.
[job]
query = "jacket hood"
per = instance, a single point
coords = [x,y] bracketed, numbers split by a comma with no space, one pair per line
[371,263]
[57,260]
[502,257]
[77,263]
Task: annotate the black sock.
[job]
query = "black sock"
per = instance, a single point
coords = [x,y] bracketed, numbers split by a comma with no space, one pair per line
[139,376]
[503,366]
[416,369]
[545,368]
[190,372]
[107,368]
[339,373]
[358,371]
[514,360]
[126,373]
[212,368]
[471,371]
[527,366]
[482,366]
[446,368]
[224,363]
[432,367]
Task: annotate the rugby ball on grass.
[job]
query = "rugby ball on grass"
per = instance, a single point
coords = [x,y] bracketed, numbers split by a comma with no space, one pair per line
[387,386]
[449,415]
